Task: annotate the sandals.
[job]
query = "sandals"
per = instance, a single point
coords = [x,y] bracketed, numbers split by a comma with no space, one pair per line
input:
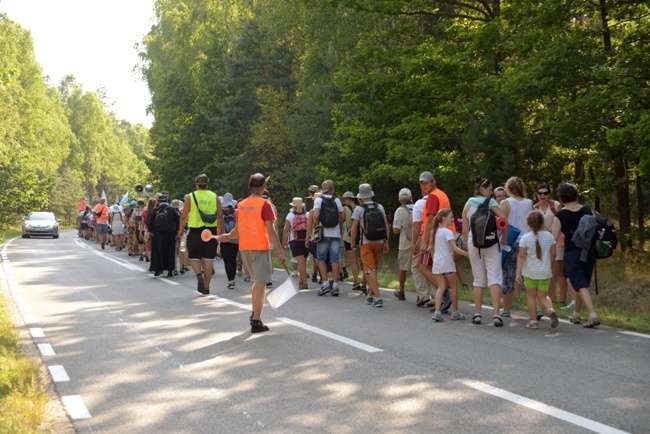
[247,278]
[498,322]
[356,287]
[476,319]
[553,315]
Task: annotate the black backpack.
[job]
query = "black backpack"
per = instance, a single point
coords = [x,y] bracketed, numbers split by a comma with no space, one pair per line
[329,212]
[374,225]
[483,225]
[161,223]
[606,239]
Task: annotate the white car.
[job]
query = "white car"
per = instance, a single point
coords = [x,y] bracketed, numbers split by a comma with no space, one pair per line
[41,223]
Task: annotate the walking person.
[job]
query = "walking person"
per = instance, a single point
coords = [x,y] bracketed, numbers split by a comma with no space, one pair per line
[256,231]
[419,257]
[295,235]
[201,211]
[101,222]
[443,244]
[403,227]
[370,219]
[566,223]
[163,224]
[486,261]
[116,220]
[534,268]
[229,249]
[350,203]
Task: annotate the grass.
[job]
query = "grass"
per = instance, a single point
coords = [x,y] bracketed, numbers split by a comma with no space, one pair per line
[623,298]
[22,398]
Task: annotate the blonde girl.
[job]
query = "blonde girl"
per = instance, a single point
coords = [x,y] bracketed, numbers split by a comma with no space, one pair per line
[443,244]
[536,251]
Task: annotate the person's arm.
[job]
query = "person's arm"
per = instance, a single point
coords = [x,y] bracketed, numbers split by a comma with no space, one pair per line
[353,234]
[520,263]
[499,213]
[457,249]
[184,215]
[310,228]
[417,228]
[557,228]
[273,237]
[386,243]
[396,221]
[431,209]
[505,206]
[285,233]
[220,227]
[466,225]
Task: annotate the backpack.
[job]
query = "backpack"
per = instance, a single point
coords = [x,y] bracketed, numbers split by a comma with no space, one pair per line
[329,212]
[161,222]
[118,214]
[374,225]
[483,225]
[228,221]
[408,228]
[605,237]
[299,226]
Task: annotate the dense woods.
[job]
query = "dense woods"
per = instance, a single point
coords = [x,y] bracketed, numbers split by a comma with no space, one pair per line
[368,91]
[58,144]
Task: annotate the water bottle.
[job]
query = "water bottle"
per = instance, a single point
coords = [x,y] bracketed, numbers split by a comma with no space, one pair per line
[183,242]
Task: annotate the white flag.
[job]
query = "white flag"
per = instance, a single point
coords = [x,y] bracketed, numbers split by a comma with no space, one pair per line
[282,294]
[104,196]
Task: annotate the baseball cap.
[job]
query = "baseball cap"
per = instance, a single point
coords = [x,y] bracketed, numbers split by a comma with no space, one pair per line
[426,177]
[405,193]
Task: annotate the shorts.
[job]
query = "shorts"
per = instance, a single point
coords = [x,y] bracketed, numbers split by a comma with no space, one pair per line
[579,273]
[538,284]
[559,253]
[404,259]
[198,249]
[370,254]
[486,266]
[298,248]
[84,226]
[102,228]
[258,263]
[331,246]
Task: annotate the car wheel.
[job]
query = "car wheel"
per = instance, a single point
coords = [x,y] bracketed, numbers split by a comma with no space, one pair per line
[56,236]
[25,236]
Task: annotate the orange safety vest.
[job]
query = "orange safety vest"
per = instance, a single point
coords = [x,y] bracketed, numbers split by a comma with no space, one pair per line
[252,229]
[443,202]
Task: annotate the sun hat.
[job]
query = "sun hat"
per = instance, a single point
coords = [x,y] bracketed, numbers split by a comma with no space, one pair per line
[426,177]
[296,202]
[228,200]
[405,193]
[176,203]
[313,188]
[202,180]
[365,191]
[327,185]
[347,194]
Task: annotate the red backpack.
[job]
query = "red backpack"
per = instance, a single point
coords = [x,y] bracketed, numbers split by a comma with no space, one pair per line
[299,226]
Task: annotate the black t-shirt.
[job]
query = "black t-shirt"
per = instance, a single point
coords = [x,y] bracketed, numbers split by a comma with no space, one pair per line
[570,221]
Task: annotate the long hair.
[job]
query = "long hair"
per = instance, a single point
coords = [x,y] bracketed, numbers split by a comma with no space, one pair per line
[437,220]
[480,182]
[535,221]
[151,204]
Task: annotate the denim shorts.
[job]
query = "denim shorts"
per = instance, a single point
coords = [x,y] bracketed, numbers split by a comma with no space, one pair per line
[102,228]
[329,245]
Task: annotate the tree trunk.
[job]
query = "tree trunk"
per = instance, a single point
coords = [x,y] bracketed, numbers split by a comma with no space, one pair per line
[607,36]
[623,196]
[640,212]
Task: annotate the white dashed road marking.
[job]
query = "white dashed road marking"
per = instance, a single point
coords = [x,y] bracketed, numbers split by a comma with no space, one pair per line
[75,407]
[58,373]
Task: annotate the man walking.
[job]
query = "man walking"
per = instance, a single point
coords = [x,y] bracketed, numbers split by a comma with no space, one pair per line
[328,211]
[256,232]
[403,227]
[163,224]
[101,222]
[201,210]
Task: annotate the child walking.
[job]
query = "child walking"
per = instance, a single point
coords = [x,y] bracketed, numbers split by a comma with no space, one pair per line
[443,244]
[536,248]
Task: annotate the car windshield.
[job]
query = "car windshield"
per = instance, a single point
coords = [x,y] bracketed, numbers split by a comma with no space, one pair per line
[43,216]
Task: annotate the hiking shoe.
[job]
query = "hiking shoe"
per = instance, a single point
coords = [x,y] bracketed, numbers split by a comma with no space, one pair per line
[574,318]
[553,315]
[592,322]
[313,278]
[505,313]
[335,290]
[257,326]
[324,290]
[103,248]
[378,303]
[345,274]
[498,322]
[231,285]
[533,325]
[399,295]
[370,300]
[437,317]
[421,301]
[455,316]
[539,314]
[200,285]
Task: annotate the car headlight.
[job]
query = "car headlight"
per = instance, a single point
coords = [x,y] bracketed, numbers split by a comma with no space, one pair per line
[27,226]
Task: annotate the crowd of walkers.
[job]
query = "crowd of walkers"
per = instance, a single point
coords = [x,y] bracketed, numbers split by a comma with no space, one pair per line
[331,239]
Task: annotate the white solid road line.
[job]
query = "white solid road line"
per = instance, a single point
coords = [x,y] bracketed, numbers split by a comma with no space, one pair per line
[330,335]
[640,335]
[230,302]
[580,421]
[76,407]
[58,373]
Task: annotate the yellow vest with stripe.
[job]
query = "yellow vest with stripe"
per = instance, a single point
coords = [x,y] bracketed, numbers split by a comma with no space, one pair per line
[207,202]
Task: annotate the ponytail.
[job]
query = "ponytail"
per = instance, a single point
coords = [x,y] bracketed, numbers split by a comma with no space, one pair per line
[437,220]
[535,221]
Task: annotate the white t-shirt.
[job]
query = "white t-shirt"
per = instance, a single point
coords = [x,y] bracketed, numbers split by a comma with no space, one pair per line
[290,218]
[402,220]
[358,215]
[334,232]
[418,209]
[443,254]
[534,268]
[519,209]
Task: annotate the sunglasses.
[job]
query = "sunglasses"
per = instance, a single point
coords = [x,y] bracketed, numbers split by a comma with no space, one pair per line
[542,193]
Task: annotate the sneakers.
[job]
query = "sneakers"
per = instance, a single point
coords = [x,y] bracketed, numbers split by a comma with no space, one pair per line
[553,315]
[505,313]
[335,290]
[103,248]
[574,318]
[421,301]
[378,303]
[570,305]
[437,317]
[370,300]
[200,285]
[592,322]
[455,316]
[533,325]
[304,286]
[357,287]
[324,290]
[399,295]
[231,285]
[539,314]
[257,326]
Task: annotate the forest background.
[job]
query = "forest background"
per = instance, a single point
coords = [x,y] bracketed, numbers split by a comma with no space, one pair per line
[352,90]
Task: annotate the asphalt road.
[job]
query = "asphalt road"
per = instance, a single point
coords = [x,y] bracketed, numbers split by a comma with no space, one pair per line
[132,353]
